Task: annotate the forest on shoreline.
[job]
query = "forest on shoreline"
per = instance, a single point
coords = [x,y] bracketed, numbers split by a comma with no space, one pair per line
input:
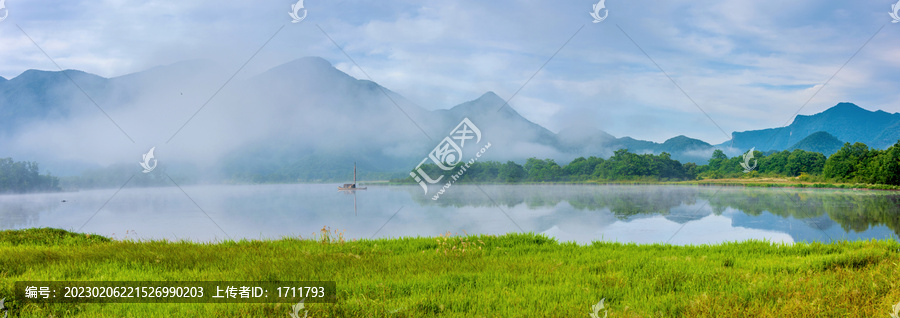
[24,176]
[853,163]
[856,163]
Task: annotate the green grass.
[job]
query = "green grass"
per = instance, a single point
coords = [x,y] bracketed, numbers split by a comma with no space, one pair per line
[515,275]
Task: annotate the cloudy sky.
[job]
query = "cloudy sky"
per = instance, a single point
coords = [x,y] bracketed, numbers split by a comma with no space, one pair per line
[738,65]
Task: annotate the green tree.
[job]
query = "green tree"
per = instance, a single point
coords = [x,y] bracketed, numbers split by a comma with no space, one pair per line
[542,170]
[24,176]
[800,161]
[718,157]
[844,164]
[885,167]
[511,172]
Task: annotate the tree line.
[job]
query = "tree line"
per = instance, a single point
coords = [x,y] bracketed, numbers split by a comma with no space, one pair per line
[852,163]
[23,176]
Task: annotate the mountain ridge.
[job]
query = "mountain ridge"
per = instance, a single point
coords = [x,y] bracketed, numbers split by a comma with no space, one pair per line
[310,109]
[845,121]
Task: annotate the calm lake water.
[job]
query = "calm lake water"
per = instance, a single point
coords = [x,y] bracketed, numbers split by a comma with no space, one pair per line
[580,213]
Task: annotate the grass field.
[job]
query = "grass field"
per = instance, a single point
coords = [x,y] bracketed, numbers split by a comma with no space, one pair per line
[516,275]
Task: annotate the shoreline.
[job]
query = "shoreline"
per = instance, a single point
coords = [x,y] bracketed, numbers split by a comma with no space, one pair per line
[749,183]
[731,182]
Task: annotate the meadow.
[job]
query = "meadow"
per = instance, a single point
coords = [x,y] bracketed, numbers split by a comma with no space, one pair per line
[514,275]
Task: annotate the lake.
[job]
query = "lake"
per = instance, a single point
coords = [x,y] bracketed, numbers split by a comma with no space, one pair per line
[581,213]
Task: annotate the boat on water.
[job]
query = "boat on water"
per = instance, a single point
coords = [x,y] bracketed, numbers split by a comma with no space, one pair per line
[351,186]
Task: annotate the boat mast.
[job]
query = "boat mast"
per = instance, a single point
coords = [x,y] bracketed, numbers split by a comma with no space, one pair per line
[354,173]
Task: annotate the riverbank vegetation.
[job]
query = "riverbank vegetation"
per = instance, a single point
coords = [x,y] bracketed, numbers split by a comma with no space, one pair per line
[854,165]
[514,275]
[24,176]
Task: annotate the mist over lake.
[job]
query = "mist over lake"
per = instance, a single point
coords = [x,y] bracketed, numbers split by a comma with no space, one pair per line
[581,213]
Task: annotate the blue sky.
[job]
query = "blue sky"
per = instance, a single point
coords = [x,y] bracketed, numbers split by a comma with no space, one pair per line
[746,64]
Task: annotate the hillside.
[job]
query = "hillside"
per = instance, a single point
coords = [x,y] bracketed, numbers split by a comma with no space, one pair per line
[307,113]
[845,121]
[821,142]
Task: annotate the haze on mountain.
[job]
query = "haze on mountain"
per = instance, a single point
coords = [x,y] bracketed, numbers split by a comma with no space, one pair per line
[304,113]
[306,120]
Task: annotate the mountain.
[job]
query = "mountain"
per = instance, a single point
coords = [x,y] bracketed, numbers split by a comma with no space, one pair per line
[821,142]
[513,135]
[280,123]
[588,142]
[318,116]
[683,143]
[307,120]
[844,121]
[40,95]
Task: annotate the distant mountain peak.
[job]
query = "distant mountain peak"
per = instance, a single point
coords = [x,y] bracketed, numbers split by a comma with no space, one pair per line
[682,143]
[819,141]
[38,79]
[33,74]
[679,137]
[490,95]
[845,108]
[487,101]
[309,68]
[846,105]
[845,122]
[305,66]
[180,69]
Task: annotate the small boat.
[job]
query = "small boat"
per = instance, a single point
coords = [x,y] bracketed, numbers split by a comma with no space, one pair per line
[351,186]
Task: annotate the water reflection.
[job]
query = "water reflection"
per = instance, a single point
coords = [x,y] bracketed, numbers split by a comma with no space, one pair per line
[582,213]
[860,214]
[21,210]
